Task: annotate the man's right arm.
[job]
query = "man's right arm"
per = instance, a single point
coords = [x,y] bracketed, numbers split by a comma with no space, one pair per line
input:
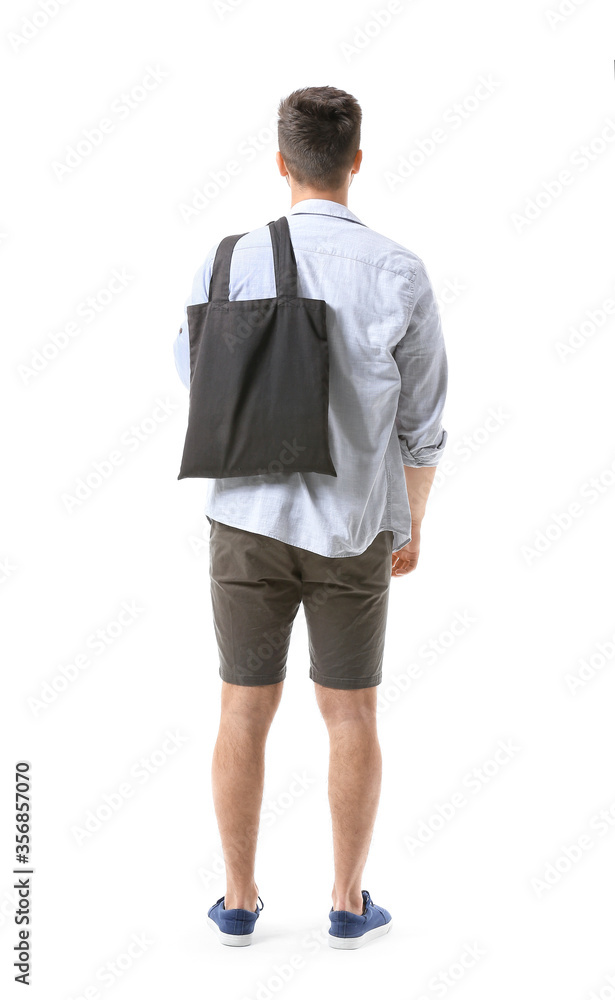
[421,358]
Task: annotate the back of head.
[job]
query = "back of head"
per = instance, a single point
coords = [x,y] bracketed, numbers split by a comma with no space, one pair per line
[319,134]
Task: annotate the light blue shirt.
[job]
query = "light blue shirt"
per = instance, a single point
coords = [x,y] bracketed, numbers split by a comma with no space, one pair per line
[387,382]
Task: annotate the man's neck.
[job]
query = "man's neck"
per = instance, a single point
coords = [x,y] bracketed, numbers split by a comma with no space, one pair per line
[341,197]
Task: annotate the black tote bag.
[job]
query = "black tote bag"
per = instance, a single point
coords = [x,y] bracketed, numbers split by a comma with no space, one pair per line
[259,376]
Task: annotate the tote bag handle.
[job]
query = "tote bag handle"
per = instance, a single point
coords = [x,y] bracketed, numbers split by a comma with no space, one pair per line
[284,263]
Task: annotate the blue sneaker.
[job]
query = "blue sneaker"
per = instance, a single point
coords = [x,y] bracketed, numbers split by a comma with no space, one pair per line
[351,930]
[234,927]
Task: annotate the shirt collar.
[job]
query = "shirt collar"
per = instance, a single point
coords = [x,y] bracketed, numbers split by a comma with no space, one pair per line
[322,206]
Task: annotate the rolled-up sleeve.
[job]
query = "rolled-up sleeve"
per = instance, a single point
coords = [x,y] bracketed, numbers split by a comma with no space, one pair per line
[181,344]
[421,359]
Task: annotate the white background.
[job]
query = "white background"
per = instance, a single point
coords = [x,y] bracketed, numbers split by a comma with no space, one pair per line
[153,866]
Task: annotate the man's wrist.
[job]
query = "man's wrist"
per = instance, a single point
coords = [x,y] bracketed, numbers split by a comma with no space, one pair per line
[418,484]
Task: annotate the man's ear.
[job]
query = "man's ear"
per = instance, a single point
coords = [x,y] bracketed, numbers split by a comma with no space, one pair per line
[279,159]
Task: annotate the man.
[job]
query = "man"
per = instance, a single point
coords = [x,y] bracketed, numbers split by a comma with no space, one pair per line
[332,543]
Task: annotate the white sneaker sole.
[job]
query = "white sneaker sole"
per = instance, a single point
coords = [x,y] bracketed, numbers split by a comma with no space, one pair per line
[234,940]
[356,942]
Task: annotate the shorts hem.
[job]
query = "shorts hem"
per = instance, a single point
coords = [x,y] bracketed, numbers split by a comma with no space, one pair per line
[258,680]
[346,683]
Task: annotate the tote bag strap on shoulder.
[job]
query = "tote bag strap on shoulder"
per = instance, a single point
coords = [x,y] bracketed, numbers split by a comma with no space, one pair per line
[284,263]
[283,259]
[221,271]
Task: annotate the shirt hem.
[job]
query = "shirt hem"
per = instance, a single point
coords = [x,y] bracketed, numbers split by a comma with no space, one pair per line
[269,534]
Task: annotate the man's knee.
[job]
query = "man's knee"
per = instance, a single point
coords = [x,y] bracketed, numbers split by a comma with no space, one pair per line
[252,706]
[340,706]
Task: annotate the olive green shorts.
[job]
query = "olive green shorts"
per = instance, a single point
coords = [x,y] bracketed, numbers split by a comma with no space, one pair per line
[257,585]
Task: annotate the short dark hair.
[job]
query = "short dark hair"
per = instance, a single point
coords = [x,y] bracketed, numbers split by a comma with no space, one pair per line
[319,134]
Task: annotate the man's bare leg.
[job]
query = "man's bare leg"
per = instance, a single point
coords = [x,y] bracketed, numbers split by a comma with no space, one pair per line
[238,775]
[355,775]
